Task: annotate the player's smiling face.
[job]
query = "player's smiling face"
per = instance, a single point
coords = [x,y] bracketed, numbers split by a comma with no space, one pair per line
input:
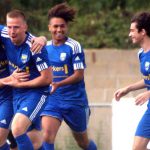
[135,35]
[58,28]
[16,30]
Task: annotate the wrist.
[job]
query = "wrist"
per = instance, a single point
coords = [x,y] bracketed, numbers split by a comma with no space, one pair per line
[129,88]
[58,84]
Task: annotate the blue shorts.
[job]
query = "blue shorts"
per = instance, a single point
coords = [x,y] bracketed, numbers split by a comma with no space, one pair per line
[36,125]
[6,113]
[30,105]
[76,116]
[143,129]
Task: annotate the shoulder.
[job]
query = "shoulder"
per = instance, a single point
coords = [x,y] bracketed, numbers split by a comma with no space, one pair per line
[2,27]
[29,38]
[49,46]
[75,45]
[49,43]
[140,52]
[4,31]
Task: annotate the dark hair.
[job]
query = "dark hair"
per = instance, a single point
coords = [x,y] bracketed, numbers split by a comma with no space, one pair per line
[143,22]
[62,11]
[16,14]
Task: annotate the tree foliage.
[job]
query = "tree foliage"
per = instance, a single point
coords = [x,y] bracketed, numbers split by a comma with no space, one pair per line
[98,24]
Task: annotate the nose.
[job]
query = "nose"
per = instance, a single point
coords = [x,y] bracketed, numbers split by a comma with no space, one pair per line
[59,29]
[129,34]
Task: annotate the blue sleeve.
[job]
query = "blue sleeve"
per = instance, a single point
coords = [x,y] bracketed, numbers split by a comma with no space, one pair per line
[78,59]
[3,34]
[1,27]
[41,60]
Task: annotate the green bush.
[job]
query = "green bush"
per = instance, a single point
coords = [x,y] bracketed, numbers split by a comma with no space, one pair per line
[99,23]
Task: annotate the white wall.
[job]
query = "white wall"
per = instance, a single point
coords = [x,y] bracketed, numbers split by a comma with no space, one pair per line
[125,117]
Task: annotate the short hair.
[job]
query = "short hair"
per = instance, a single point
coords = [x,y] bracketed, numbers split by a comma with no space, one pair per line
[62,11]
[17,14]
[142,21]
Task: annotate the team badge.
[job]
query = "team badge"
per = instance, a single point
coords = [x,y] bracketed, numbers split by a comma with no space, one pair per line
[63,56]
[24,58]
[147,64]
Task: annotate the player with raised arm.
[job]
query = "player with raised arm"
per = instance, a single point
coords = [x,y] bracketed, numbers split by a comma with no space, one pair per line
[6,103]
[29,97]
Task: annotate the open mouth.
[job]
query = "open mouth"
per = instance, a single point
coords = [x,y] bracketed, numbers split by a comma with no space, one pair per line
[13,37]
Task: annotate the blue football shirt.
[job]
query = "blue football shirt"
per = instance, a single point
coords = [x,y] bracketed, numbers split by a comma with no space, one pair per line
[144,58]
[21,57]
[6,91]
[65,59]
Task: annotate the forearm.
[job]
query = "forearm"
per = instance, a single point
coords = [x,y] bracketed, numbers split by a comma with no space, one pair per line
[37,82]
[70,80]
[136,86]
[4,80]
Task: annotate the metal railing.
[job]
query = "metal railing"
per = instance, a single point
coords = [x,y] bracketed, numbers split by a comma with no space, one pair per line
[100,104]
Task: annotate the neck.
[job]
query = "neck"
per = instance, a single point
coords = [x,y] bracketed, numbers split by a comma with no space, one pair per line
[145,44]
[59,42]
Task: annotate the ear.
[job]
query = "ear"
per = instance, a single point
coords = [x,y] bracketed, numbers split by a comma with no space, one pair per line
[49,27]
[143,32]
[25,27]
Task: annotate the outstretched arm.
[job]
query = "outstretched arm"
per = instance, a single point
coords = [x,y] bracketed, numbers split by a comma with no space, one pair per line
[123,91]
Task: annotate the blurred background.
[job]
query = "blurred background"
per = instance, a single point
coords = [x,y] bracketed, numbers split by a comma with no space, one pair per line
[102,27]
[98,24]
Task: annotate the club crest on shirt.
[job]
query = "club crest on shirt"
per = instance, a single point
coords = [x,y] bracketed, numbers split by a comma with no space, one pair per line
[63,56]
[24,58]
[147,64]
